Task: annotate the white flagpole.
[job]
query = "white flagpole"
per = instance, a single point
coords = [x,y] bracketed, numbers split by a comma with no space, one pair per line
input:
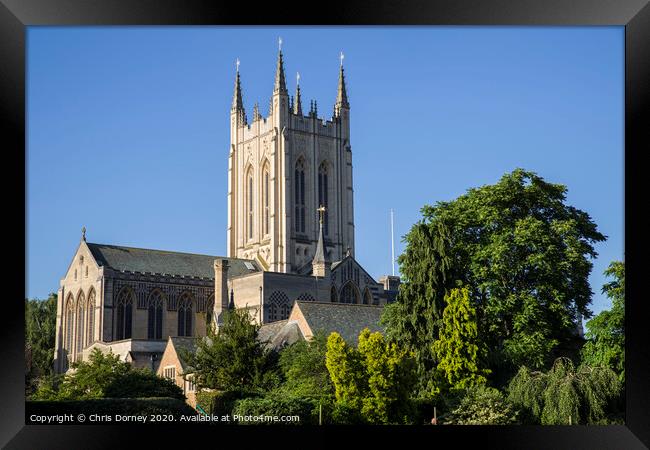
[392,242]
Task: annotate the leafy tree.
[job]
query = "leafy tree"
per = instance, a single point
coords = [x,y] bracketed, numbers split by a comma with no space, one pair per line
[90,379]
[605,335]
[458,348]
[105,376]
[481,405]
[232,358]
[564,393]
[524,255]
[345,367]
[40,330]
[303,367]
[373,381]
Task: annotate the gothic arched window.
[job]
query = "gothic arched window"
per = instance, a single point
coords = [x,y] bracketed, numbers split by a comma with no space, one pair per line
[367,297]
[69,327]
[90,329]
[124,322]
[249,203]
[79,344]
[299,190]
[322,194]
[209,311]
[155,314]
[350,293]
[185,315]
[266,181]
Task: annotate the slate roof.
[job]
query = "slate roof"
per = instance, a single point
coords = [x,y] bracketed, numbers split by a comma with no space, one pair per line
[280,333]
[183,343]
[132,259]
[346,319]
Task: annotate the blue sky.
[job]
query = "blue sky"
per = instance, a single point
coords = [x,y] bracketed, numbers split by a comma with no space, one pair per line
[128,127]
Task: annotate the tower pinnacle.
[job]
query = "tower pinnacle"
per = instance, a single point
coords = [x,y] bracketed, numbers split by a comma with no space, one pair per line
[280,82]
[341,95]
[237,102]
[297,105]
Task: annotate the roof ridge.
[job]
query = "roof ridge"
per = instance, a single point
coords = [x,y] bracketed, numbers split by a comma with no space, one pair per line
[165,251]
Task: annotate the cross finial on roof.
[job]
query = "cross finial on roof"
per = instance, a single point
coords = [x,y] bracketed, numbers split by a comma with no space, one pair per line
[341,56]
[297,78]
[321,213]
[237,64]
[83,233]
[280,43]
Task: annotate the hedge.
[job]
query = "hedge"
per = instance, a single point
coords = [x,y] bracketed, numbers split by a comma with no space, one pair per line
[278,405]
[110,406]
[221,403]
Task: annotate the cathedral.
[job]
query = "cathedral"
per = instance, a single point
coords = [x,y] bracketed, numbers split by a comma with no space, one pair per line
[290,241]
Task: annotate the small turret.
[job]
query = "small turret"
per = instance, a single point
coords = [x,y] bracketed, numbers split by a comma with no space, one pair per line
[297,103]
[280,85]
[342,94]
[237,100]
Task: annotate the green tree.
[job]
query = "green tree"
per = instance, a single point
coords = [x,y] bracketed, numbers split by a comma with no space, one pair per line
[90,379]
[105,376]
[605,335]
[374,381]
[304,369]
[458,349]
[481,405]
[565,394]
[232,358]
[524,255]
[40,330]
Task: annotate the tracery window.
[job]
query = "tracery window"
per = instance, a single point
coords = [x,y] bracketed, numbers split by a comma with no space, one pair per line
[299,190]
[279,306]
[90,329]
[265,199]
[350,293]
[79,345]
[155,314]
[69,327]
[249,203]
[322,194]
[185,315]
[124,322]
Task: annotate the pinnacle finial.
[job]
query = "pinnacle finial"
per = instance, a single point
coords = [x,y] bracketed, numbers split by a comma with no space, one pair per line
[237,101]
[297,104]
[341,95]
[280,83]
[321,213]
[83,233]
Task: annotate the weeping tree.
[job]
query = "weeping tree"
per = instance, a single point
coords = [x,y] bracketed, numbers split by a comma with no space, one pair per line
[565,394]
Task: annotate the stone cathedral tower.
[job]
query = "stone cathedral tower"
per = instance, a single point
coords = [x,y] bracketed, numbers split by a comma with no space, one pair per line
[281,169]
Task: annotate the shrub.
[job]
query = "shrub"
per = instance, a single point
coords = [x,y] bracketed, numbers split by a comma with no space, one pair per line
[221,403]
[277,405]
[481,405]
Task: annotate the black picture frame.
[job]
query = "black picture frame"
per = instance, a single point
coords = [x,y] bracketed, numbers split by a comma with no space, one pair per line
[16,15]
